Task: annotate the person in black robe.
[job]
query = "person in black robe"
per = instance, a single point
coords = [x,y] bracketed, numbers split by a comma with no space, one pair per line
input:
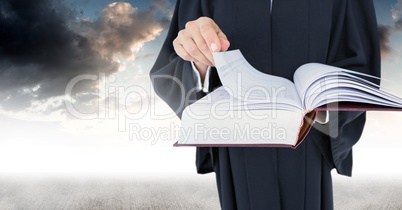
[341,33]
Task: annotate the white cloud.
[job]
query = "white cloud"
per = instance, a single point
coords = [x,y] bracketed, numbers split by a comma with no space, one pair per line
[396,11]
[121,30]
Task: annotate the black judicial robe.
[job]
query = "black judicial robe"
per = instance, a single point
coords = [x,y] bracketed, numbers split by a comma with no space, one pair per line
[342,33]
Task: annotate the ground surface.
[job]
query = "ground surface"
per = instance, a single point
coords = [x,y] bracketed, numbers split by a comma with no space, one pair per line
[174,191]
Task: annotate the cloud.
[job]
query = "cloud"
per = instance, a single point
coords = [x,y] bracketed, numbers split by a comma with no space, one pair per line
[121,30]
[396,10]
[165,12]
[44,45]
[386,31]
[396,14]
[146,56]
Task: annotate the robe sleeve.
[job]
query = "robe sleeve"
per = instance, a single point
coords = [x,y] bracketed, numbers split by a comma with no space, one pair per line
[354,46]
[172,77]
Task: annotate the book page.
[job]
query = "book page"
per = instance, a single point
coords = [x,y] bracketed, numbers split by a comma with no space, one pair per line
[221,100]
[244,82]
[251,108]
[320,84]
[305,76]
[219,119]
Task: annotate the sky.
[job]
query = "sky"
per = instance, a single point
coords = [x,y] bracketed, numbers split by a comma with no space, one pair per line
[75,94]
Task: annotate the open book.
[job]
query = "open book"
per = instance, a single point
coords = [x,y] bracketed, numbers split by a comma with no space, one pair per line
[256,109]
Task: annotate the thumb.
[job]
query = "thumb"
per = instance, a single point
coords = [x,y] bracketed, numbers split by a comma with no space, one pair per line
[224,44]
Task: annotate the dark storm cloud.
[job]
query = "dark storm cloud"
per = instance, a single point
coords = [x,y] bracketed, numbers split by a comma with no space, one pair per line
[37,49]
[43,45]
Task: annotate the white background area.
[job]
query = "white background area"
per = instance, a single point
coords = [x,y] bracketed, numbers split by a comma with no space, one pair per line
[41,148]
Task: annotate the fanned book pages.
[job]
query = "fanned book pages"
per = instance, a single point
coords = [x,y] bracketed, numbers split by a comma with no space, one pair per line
[254,109]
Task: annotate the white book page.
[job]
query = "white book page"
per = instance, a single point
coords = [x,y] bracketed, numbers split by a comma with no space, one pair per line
[319,84]
[246,83]
[218,118]
[306,75]
[221,100]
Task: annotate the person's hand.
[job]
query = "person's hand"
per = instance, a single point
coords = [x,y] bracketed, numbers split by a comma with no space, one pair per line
[198,40]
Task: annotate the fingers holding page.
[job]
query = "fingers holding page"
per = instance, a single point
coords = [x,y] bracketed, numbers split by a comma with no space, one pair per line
[199,39]
[188,48]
